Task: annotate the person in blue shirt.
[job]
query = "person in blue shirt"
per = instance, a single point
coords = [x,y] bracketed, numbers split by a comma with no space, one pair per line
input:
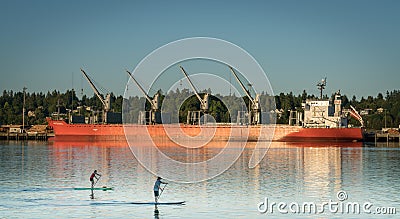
[157,188]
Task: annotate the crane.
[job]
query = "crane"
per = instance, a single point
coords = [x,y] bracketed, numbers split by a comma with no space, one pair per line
[155,103]
[255,111]
[203,101]
[105,101]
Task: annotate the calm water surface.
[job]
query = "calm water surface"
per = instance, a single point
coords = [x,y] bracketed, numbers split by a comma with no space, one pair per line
[37,181]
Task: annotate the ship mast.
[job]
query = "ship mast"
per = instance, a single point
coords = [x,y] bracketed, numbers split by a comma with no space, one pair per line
[321,86]
[255,111]
[155,103]
[105,102]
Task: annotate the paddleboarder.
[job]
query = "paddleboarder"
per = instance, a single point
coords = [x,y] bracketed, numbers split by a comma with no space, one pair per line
[94,175]
[157,188]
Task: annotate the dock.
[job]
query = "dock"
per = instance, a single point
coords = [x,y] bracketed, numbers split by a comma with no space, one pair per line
[17,132]
[383,136]
[25,136]
[387,137]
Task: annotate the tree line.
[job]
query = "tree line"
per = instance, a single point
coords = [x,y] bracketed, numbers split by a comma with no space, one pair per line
[383,110]
[38,106]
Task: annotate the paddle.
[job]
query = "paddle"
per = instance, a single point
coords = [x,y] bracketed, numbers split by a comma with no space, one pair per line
[162,190]
[96,181]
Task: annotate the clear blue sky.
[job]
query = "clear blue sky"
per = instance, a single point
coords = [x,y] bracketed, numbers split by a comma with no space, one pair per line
[356,44]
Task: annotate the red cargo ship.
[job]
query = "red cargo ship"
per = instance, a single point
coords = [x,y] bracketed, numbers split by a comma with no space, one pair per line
[116,132]
[320,120]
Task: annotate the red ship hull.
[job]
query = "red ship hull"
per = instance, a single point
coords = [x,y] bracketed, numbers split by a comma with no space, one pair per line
[325,134]
[94,132]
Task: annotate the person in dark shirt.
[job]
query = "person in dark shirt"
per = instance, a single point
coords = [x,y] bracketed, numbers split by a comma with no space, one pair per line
[94,175]
[157,188]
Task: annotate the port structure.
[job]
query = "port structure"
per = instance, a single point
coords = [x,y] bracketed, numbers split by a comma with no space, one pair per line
[201,116]
[105,101]
[154,115]
[254,111]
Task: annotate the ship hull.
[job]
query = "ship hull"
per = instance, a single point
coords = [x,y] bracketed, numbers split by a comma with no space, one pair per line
[112,132]
[324,134]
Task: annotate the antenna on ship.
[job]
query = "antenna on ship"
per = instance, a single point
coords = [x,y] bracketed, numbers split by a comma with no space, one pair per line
[321,86]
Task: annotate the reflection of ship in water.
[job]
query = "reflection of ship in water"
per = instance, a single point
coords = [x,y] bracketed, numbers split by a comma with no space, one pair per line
[312,168]
[84,157]
[301,169]
[317,166]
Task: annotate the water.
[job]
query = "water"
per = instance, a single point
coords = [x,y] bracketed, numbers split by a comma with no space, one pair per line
[36,181]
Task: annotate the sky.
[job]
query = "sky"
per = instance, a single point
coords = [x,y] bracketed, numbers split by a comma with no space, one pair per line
[355,44]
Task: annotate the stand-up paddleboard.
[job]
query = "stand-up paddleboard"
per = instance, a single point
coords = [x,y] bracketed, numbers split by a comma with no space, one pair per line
[97,188]
[138,203]
[157,203]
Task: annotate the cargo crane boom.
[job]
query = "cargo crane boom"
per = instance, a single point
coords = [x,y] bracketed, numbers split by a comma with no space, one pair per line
[204,101]
[243,87]
[154,101]
[255,111]
[154,116]
[105,102]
